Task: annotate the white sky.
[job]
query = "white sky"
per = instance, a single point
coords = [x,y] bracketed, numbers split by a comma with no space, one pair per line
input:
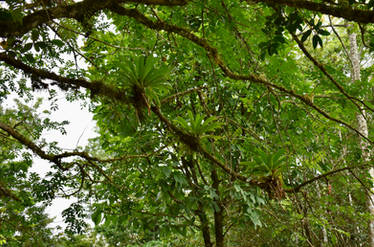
[81,128]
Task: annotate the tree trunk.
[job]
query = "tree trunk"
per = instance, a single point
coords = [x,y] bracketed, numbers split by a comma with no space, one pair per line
[218,214]
[324,240]
[204,226]
[362,124]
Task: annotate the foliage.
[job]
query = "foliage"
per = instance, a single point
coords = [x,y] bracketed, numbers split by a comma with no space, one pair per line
[220,123]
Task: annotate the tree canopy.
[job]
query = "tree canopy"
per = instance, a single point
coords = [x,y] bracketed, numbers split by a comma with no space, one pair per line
[220,122]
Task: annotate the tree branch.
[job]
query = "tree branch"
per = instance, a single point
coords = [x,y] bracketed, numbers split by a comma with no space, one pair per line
[194,144]
[180,94]
[5,192]
[99,88]
[212,52]
[324,71]
[56,159]
[96,87]
[346,12]
[330,173]
[28,143]
[78,11]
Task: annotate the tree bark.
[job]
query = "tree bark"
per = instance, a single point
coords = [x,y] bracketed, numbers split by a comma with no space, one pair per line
[324,240]
[362,124]
[218,214]
[204,226]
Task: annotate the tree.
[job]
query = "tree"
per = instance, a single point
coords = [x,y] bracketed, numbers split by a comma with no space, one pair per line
[211,130]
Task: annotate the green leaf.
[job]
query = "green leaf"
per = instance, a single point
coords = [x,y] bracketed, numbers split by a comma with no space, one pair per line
[30,58]
[97,216]
[58,42]
[316,40]
[323,32]
[371,4]
[166,171]
[306,35]
[34,35]
[27,47]
[5,15]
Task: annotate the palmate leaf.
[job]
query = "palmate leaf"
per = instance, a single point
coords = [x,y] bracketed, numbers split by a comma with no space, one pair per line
[265,164]
[143,71]
[182,122]
[211,124]
[145,81]
[196,124]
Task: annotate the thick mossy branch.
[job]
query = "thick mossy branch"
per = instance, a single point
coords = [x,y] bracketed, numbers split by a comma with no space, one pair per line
[346,12]
[30,144]
[97,88]
[89,8]
[194,144]
[75,11]
[139,101]
[54,158]
[273,186]
[86,8]
[191,141]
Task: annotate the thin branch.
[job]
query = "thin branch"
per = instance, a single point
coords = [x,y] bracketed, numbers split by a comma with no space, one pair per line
[237,33]
[96,39]
[362,31]
[5,192]
[341,41]
[56,158]
[200,172]
[28,143]
[83,173]
[181,94]
[73,48]
[368,190]
[324,71]
[330,173]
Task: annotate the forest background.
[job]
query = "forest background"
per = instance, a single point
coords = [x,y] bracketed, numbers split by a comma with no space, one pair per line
[219,122]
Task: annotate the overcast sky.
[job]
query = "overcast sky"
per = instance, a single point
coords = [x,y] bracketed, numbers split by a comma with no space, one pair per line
[80,129]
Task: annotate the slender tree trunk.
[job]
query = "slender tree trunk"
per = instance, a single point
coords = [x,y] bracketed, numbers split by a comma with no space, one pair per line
[191,176]
[218,214]
[324,240]
[204,226]
[362,124]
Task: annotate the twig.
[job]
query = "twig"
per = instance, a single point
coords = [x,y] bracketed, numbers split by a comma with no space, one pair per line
[330,173]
